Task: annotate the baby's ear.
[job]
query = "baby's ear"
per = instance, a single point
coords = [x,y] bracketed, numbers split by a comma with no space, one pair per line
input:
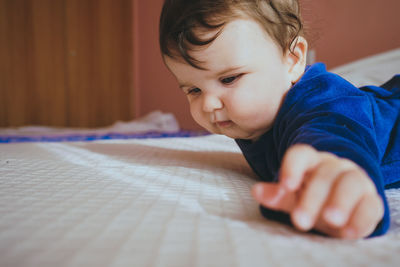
[296,58]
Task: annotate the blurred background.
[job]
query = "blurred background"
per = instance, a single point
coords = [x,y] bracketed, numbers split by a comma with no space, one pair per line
[89,63]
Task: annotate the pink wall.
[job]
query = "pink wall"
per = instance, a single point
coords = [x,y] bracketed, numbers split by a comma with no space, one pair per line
[157,88]
[348,30]
[340,31]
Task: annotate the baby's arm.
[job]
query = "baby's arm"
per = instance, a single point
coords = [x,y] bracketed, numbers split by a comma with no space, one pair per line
[322,191]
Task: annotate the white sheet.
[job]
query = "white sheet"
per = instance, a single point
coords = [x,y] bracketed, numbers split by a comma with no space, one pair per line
[373,70]
[155,202]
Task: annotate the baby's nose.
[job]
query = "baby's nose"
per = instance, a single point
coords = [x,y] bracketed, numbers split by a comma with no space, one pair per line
[212,102]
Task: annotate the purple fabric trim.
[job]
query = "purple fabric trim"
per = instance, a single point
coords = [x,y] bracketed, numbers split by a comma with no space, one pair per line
[93,137]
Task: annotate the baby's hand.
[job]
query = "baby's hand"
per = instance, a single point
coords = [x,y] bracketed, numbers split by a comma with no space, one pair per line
[322,191]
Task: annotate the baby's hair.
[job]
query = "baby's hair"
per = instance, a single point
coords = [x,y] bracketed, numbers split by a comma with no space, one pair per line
[182,23]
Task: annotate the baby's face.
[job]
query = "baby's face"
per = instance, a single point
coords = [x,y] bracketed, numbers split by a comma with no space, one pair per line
[241,90]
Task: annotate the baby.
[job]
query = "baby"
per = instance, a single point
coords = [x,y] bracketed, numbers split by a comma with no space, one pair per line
[324,149]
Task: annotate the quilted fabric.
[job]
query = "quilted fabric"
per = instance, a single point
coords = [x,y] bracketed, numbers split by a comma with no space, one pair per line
[155,202]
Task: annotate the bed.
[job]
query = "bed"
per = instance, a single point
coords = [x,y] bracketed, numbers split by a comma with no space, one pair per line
[146,193]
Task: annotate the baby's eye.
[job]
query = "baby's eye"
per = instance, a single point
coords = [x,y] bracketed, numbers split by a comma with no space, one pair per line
[193,91]
[231,79]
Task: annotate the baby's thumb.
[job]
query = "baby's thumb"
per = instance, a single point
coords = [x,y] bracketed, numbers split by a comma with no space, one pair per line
[274,196]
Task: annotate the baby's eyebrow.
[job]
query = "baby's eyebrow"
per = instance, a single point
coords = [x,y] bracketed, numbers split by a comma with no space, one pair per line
[227,70]
[183,85]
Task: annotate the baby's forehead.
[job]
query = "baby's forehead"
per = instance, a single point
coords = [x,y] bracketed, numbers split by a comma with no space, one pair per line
[232,40]
[232,44]
[238,30]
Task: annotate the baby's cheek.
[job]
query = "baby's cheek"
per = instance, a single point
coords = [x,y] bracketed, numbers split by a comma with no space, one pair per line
[200,118]
[241,103]
[196,115]
[246,108]
[254,116]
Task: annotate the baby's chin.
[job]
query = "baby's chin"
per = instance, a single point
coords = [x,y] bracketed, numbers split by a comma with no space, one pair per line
[251,136]
[234,131]
[242,135]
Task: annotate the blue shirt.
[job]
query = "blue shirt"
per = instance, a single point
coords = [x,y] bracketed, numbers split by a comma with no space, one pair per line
[330,114]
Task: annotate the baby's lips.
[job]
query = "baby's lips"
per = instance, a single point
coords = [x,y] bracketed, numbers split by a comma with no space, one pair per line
[224,124]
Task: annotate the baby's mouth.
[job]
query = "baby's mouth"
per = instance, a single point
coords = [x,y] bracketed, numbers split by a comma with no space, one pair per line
[224,124]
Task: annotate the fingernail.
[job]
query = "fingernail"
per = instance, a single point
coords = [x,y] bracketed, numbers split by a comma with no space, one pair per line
[335,216]
[303,219]
[258,190]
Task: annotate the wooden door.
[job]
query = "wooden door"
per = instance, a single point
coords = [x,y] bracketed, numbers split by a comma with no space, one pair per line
[65,62]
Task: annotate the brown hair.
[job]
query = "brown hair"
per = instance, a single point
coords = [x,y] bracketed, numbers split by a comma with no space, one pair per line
[181,18]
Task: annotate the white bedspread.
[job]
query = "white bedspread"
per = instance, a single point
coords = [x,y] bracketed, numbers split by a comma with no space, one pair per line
[373,70]
[155,202]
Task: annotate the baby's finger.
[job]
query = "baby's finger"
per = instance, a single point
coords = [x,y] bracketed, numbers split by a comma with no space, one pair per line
[347,192]
[297,161]
[273,196]
[313,196]
[364,218]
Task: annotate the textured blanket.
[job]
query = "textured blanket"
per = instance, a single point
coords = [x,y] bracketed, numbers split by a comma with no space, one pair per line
[155,202]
